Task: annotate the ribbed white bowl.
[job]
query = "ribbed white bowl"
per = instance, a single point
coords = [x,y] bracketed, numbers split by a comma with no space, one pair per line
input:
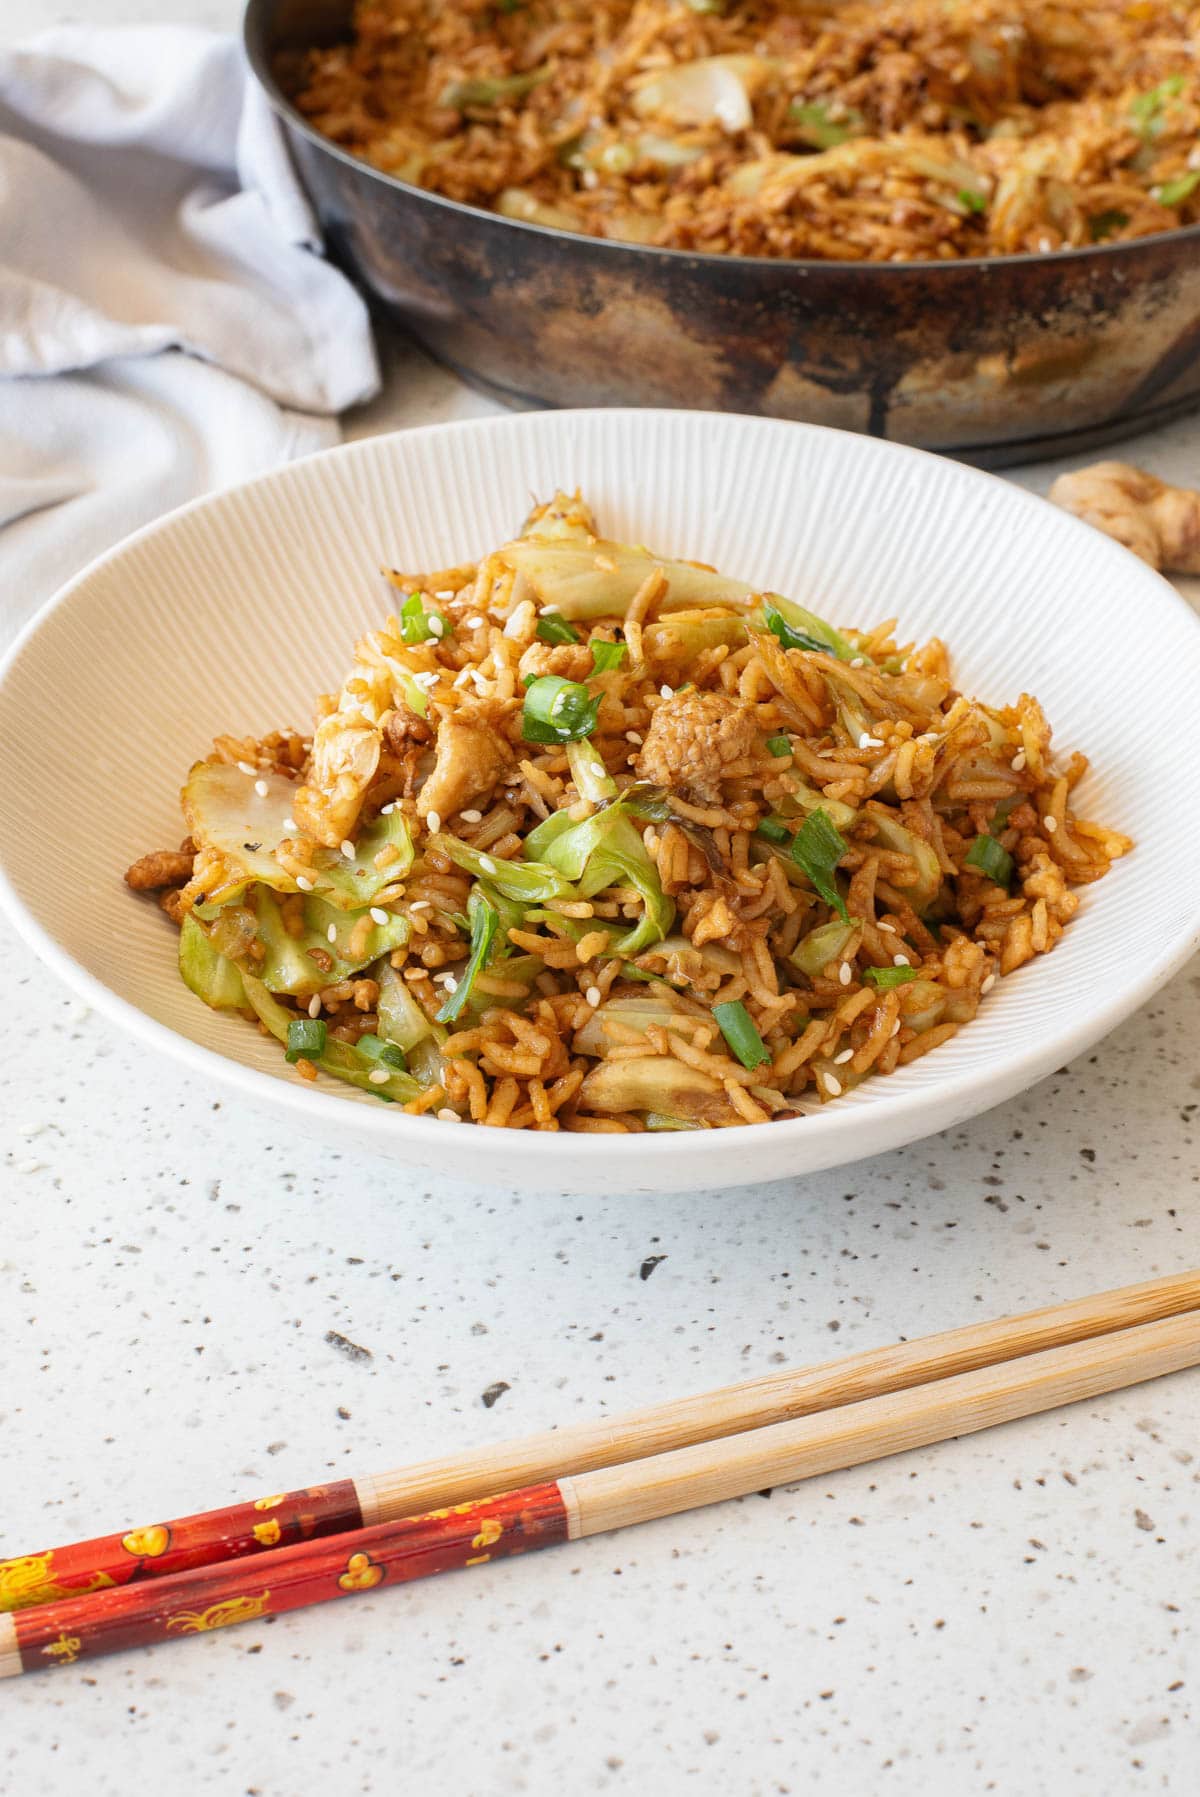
[231,614]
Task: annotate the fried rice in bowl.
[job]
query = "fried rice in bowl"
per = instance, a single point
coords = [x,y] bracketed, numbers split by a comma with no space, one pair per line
[595,838]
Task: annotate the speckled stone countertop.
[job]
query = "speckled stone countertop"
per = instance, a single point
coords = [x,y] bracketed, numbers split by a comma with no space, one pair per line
[1013,1612]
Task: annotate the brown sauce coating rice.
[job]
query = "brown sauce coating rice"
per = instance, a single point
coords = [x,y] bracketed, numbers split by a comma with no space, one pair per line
[714,749]
[844,129]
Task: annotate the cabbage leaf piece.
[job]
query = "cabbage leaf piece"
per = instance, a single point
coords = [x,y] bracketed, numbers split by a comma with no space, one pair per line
[228,816]
[606,850]
[340,1059]
[303,964]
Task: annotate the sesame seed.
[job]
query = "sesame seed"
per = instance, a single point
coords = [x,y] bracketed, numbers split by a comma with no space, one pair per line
[261,788]
[867,741]
[895,1031]
[1018,761]
[379,1076]
[420,905]
[632,736]
[550,611]
[245,768]
[832,1086]
[858,661]
[847,1054]
[378,915]
[471,817]
[450,983]
[314,1005]
[844,975]
[436,625]
[474,622]
[30,1129]
[461,678]
[386,810]
[433,822]
[426,680]
[304,883]
[30,1166]
[487,864]
[446,1115]
[889,927]
[348,849]
[666,692]
[901,961]
[331,933]
[593,996]
[988,983]
[291,827]
[1051,824]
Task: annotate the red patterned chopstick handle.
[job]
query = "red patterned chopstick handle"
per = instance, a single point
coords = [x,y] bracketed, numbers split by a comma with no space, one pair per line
[162,1548]
[311,1572]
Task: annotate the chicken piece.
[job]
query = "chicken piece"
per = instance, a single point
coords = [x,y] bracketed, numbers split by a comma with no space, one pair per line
[471,757]
[695,741]
[166,867]
[345,755]
[1160,523]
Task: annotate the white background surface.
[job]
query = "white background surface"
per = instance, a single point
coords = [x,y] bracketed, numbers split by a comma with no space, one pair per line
[1011,1613]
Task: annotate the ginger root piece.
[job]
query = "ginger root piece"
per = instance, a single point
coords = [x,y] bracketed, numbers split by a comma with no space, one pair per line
[1160,523]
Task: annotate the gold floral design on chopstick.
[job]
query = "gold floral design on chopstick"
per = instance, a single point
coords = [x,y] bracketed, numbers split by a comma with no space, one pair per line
[64,1651]
[218,1616]
[30,1580]
[267,1533]
[361,1573]
[270,1503]
[490,1531]
[148,1543]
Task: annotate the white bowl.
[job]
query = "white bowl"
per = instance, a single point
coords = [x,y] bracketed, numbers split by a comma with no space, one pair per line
[231,614]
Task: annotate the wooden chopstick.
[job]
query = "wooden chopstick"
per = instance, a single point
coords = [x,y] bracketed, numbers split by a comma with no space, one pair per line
[614,1497]
[276,1520]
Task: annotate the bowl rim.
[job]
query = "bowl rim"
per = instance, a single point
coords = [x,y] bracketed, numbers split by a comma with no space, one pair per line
[894,1118]
[255,21]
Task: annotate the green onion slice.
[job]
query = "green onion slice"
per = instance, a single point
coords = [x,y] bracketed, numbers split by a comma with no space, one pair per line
[817,128]
[306,1036]
[990,858]
[557,710]
[606,655]
[553,629]
[1146,111]
[415,625]
[778,745]
[739,1031]
[887,977]
[485,920]
[773,829]
[817,848]
[1174,193]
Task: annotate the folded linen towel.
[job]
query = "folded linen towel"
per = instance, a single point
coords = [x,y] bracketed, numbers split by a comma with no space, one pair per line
[167,323]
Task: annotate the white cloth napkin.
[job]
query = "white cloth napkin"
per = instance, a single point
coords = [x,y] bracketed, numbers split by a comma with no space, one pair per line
[167,324]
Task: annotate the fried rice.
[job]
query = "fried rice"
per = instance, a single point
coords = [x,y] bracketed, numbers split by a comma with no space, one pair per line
[841,129]
[598,840]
